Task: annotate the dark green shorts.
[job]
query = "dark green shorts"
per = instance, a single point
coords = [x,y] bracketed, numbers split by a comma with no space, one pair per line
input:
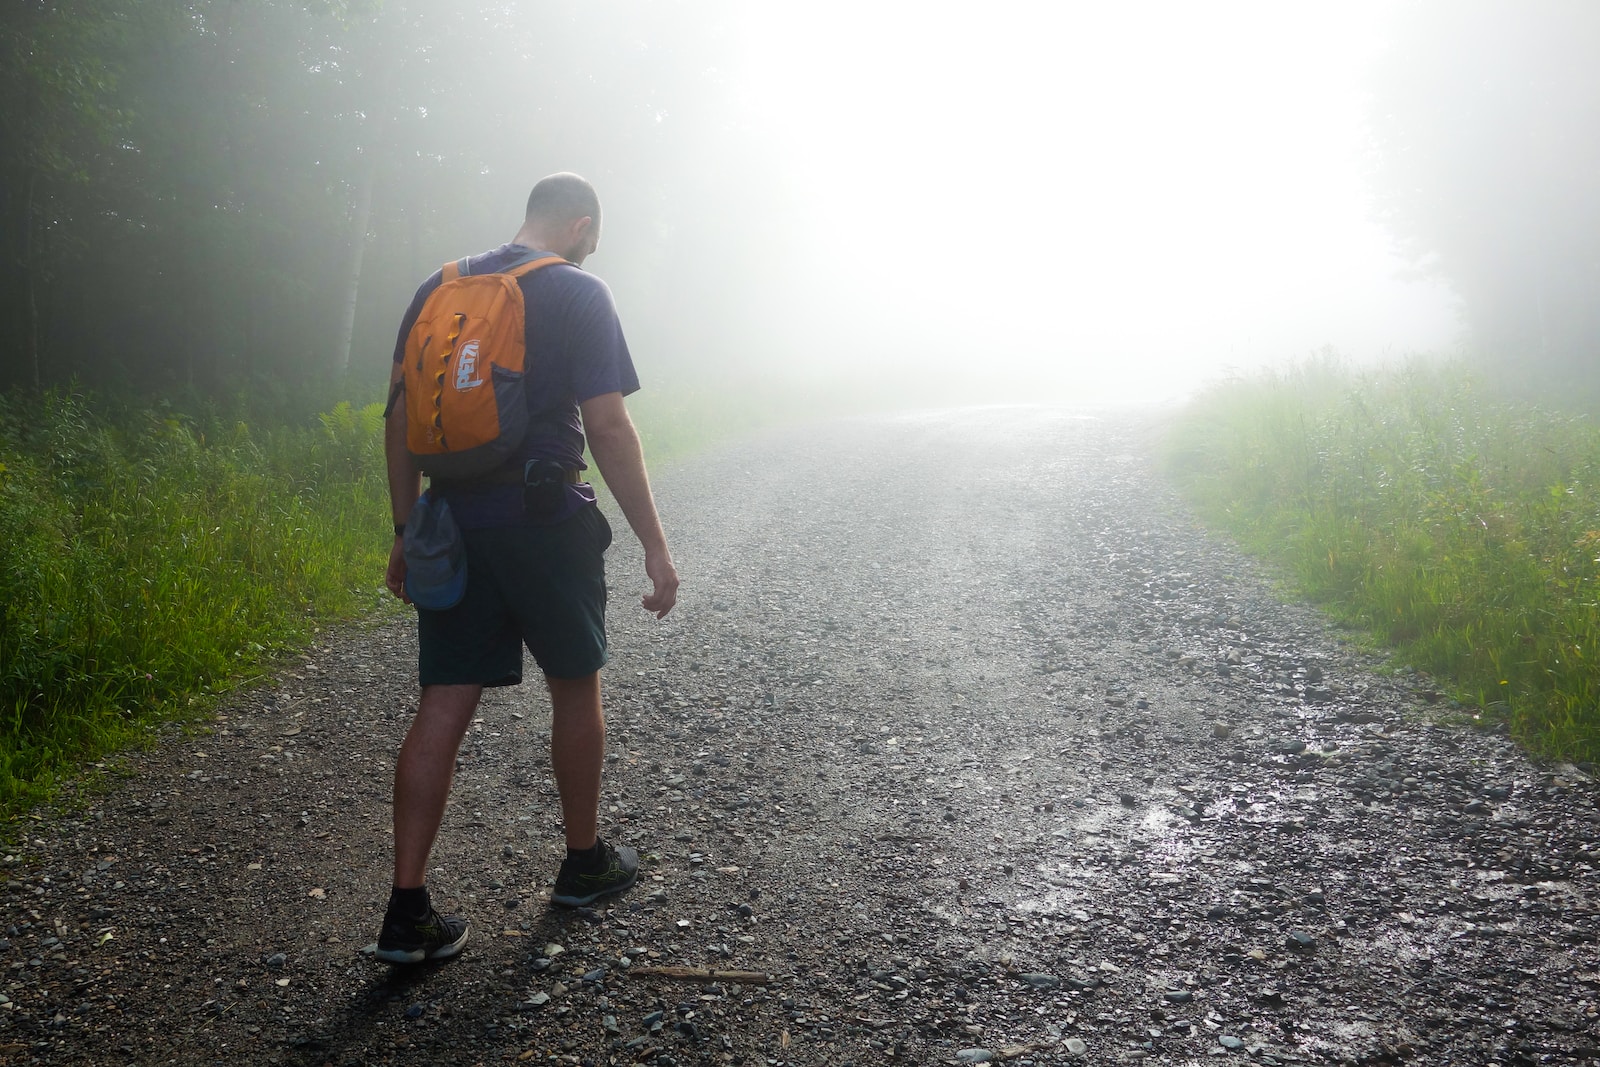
[540,586]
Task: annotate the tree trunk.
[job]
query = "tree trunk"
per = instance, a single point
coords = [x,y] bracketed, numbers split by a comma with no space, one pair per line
[30,272]
[388,68]
[358,249]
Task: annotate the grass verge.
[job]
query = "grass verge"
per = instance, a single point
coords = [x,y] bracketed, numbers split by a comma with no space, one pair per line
[1459,530]
[149,562]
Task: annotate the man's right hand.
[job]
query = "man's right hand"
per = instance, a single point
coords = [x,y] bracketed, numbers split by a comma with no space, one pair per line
[664,576]
[395,576]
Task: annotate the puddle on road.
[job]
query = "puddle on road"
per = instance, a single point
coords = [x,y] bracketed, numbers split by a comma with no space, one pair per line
[1151,830]
[1159,837]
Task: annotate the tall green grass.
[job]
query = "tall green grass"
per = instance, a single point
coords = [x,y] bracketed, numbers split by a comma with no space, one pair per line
[1460,530]
[149,561]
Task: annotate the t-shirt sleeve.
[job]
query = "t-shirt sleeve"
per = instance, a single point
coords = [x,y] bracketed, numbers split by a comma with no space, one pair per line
[410,318]
[601,362]
[406,322]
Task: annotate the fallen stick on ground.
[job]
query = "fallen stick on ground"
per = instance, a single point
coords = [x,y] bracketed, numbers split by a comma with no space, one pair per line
[702,974]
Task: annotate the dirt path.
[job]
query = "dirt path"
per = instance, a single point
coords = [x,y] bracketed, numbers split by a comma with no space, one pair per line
[962,734]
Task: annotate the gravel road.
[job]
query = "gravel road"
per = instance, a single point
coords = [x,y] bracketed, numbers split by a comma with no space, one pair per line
[964,740]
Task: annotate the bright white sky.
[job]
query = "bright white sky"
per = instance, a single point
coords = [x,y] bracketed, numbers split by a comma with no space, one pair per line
[1134,196]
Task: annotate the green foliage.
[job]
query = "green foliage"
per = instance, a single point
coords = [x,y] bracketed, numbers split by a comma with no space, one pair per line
[1461,530]
[149,561]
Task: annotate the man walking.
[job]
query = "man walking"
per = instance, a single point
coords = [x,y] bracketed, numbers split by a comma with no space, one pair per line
[531,541]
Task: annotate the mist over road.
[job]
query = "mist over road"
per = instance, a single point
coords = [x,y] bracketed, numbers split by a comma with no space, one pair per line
[963,733]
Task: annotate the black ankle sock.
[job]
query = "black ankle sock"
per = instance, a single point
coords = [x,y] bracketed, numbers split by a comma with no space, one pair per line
[587,858]
[412,903]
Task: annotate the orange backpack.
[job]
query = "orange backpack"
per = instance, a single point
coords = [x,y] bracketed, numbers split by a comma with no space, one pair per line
[464,372]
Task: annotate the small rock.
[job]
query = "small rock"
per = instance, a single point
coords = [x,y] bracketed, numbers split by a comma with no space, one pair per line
[974,1055]
[1221,731]
[1128,800]
[1300,941]
[414,1012]
[1177,996]
[1041,981]
[276,961]
[1228,1041]
[538,1000]
[1076,1046]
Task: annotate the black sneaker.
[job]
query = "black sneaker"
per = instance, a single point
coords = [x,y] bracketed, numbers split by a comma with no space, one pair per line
[617,869]
[433,937]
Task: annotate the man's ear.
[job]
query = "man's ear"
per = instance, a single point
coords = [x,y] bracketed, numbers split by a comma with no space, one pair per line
[578,233]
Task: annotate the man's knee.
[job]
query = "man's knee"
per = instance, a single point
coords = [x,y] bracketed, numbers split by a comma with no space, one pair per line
[574,696]
[448,706]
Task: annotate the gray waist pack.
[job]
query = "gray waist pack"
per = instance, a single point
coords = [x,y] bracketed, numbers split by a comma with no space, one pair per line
[436,556]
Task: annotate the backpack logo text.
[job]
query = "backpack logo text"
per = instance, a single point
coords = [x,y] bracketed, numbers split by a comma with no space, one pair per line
[467,367]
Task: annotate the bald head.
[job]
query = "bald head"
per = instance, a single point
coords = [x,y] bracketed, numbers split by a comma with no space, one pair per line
[563,217]
[562,198]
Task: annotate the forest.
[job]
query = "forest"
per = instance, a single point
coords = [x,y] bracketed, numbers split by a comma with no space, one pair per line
[234,200]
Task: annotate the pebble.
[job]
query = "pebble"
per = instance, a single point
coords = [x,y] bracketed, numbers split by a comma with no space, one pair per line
[1178,996]
[277,960]
[1221,731]
[1230,1042]
[1041,981]
[1300,941]
[975,1055]
[414,1012]
[1077,1046]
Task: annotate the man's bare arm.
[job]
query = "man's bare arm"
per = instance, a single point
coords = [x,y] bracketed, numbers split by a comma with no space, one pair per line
[405,485]
[615,445]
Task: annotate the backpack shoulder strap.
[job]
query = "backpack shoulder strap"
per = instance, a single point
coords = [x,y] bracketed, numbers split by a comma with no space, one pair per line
[456,268]
[532,265]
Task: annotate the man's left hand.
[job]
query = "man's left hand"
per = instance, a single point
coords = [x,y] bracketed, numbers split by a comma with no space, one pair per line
[664,576]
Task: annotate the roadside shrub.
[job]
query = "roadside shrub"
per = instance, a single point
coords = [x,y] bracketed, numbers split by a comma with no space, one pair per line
[1461,530]
[149,563]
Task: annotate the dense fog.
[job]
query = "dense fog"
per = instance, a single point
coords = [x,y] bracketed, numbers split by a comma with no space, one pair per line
[1012,199]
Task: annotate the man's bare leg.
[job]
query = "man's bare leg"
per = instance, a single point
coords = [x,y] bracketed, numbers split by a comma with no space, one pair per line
[423,773]
[577,754]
